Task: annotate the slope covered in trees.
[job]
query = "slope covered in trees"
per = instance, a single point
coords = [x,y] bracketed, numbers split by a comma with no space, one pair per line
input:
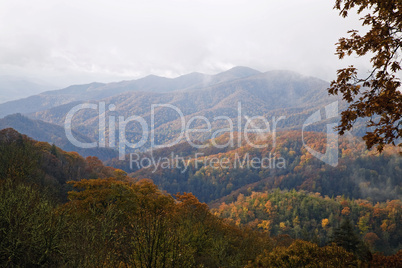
[315,218]
[108,219]
[24,159]
[111,220]
[359,174]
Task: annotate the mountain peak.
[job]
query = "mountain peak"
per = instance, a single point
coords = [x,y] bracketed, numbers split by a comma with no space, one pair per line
[241,71]
[152,77]
[236,73]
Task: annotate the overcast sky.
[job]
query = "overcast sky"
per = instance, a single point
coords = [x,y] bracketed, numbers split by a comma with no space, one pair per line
[72,42]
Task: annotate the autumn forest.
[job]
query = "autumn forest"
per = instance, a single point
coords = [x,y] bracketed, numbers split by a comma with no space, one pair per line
[59,209]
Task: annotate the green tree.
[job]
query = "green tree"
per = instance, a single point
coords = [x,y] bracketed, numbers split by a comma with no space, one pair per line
[376,96]
[345,237]
[53,150]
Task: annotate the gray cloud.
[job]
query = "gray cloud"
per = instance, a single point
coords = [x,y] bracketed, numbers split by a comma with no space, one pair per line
[70,42]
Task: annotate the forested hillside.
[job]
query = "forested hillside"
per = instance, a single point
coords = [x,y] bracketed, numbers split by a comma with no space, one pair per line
[24,159]
[315,218]
[108,219]
[359,174]
[112,220]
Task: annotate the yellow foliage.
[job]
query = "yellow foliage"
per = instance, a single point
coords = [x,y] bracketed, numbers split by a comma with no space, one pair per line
[265,225]
[324,223]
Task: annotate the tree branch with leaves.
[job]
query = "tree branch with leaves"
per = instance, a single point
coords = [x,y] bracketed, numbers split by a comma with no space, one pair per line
[378,96]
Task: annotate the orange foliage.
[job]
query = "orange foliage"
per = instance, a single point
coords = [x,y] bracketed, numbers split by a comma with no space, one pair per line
[345,211]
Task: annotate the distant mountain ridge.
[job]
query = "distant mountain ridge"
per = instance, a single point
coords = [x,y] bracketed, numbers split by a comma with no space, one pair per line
[53,134]
[236,94]
[275,93]
[95,91]
[13,88]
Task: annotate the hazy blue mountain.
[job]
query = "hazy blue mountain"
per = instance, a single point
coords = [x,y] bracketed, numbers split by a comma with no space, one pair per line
[96,91]
[271,94]
[13,88]
[53,134]
[275,93]
[234,73]
[51,99]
